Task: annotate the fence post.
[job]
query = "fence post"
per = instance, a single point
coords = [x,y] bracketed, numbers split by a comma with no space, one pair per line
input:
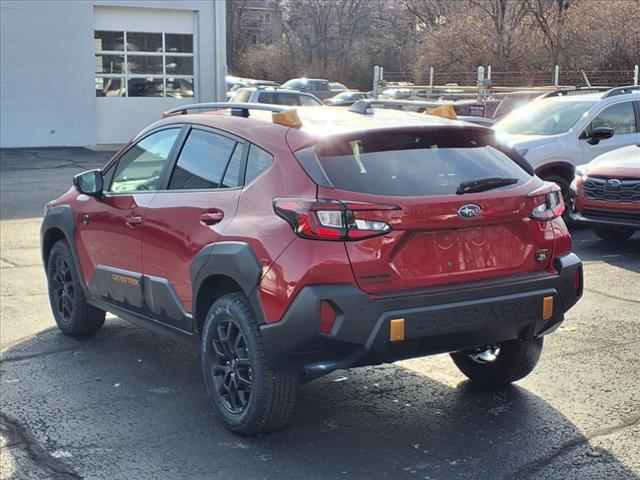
[556,76]
[635,75]
[376,80]
[489,72]
[431,76]
[480,84]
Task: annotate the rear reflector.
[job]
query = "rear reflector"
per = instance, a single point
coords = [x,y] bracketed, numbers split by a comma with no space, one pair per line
[396,330]
[578,282]
[327,317]
[547,308]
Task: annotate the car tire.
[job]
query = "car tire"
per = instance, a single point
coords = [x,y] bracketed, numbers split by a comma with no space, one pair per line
[565,187]
[613,234]
[514,360]
[248,396]
[73,315]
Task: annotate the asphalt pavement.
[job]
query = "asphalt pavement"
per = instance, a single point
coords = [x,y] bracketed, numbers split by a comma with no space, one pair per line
[128,404]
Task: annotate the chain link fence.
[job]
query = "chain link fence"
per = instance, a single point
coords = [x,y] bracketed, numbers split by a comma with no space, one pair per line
[487,88]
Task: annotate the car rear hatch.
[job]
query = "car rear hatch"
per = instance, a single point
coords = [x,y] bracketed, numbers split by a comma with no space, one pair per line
[414,216]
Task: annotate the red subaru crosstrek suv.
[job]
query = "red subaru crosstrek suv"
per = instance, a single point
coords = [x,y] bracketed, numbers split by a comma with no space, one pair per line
[287,244]
[606,194]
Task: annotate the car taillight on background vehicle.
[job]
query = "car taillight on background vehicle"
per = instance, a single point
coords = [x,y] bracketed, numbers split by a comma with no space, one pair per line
[332,219]
[549,202]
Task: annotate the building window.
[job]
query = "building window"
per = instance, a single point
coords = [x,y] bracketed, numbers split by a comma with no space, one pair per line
[143,64]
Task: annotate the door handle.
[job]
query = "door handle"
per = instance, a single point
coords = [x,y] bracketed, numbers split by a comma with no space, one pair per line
[211,218]
[133,221]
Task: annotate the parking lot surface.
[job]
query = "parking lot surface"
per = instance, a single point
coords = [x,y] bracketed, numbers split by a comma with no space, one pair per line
[128,404]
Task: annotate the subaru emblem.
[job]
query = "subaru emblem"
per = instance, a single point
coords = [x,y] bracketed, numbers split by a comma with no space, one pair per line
[614,183]
[470,210]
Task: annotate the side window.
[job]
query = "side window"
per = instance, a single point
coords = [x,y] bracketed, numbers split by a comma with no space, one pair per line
[202,161]
[290,99]
[139,169]
[620,117]
[266,97]
[258,162]
[306,101]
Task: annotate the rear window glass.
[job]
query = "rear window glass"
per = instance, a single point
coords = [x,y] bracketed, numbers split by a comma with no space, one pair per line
[407,164]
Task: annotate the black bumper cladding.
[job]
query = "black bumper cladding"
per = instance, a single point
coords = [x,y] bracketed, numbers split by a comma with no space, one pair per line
[435,321]
[608,217]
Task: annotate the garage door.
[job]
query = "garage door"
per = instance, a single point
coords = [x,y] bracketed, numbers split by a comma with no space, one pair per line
[146,63]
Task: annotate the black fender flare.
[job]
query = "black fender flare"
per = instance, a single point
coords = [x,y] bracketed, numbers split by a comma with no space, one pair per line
[61,217]
[235,260]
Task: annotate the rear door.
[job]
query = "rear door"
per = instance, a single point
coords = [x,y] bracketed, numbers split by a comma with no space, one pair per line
[438,236]
[194,207]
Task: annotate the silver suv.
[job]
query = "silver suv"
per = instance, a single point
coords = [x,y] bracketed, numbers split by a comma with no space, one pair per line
[277,96]
[563,129]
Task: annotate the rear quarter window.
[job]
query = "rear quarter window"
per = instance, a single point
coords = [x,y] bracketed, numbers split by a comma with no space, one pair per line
[258,162]
[410,164]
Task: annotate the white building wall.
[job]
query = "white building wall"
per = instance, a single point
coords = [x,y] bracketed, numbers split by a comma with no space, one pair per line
[47,82]
[45,96]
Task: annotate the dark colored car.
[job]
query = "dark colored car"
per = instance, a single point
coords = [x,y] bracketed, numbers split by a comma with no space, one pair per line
[283,245]
[315,86]
[606,194]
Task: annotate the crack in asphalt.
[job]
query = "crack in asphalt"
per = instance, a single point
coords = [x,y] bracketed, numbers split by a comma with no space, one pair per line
[615,297]
[18,435]
[534,466]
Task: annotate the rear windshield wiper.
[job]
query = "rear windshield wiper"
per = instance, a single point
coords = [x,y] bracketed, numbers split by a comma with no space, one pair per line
[484,184]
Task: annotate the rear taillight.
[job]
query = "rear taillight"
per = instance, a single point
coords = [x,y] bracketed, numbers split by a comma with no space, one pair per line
[332,219]
[549,202]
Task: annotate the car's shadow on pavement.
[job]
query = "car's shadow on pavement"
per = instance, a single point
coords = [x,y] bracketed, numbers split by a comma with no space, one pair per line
[589,247]
[130,404]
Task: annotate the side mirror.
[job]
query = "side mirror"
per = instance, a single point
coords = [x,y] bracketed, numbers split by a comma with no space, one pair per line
[600,133]
[90,183]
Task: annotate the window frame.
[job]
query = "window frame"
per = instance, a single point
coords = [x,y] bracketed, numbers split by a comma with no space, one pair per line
[126,76]
[172,160]
[111,167]
[585,133]
[246,165]
[164,184]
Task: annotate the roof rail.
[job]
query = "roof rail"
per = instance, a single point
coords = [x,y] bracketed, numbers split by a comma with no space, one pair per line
[573,91]
[239,109]
[621,90]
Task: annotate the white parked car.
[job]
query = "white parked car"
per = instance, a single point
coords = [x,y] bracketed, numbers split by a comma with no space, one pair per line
[559,131]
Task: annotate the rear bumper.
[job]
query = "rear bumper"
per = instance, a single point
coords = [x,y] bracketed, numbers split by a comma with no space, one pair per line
[436,321]
[617,218]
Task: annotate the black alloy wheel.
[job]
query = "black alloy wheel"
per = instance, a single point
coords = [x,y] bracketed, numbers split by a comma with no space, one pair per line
[231,366]
[62,289]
